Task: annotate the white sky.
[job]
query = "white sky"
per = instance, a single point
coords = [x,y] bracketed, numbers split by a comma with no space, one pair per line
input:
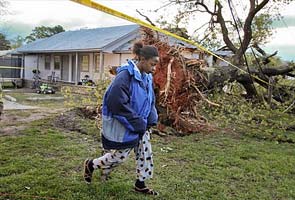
[27,14]
[72,15]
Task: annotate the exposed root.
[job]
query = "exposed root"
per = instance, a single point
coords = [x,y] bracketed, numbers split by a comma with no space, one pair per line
[179,83]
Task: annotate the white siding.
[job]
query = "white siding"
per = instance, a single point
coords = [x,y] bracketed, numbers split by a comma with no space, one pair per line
[109,60]
[113,60]
[95,74]
[44,73]
[125,57]
[116,59]
[57,71]
[30,64]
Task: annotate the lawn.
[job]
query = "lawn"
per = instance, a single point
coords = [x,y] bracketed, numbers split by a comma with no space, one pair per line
[23,98]
[250,156]
[45,161]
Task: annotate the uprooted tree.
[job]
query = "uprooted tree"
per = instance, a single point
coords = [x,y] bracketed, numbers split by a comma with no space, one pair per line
[240,35]
[180,86]
[181,83]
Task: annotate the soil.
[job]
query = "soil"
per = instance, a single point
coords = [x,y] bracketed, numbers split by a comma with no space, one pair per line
[13,121]
[69,121]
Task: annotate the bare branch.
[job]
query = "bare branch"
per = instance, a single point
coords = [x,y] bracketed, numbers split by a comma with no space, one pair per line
[271,55]
[224,29]
[257,47]
[205,37]
[205,7]
[204,98]
[196,10]
[266,60]
[200,27]
[165,5]
[260,6]
[147,19]
[247,26]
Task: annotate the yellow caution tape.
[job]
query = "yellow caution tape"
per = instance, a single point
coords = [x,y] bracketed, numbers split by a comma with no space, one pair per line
[116,13]
[8,67]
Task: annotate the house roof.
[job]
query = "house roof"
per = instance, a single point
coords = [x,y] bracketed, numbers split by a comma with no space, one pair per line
[80,40]
[116,39]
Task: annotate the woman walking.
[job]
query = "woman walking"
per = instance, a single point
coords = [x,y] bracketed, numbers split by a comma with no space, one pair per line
[127,113]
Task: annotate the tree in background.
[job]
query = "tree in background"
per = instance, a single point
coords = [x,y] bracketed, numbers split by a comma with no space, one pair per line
[43,32]
[4,43]
[253,18]
[17,42]
[238,25]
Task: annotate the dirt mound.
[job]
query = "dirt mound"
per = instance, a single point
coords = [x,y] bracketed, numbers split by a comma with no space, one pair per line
[71,120]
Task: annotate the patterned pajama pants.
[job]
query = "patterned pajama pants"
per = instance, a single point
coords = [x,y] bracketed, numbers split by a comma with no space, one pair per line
[144,159]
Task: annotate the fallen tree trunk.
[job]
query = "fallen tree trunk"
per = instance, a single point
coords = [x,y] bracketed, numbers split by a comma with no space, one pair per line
[219,76]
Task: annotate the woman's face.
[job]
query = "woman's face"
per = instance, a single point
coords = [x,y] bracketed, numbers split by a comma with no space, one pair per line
[149,65]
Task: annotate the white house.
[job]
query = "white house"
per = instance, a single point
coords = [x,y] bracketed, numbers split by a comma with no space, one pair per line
[70,55]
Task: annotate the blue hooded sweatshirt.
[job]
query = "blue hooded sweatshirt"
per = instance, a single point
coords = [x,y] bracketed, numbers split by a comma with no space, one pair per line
[128,108]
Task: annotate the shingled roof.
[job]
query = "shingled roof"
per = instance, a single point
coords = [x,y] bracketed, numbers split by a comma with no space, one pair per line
[101,39]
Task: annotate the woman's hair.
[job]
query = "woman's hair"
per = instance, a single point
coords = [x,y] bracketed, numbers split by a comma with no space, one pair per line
[146,51]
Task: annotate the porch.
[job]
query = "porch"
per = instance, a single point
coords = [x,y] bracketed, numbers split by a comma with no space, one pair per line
[72,67]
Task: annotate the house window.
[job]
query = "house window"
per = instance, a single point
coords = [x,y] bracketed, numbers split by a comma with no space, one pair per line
[47,62]
[84,63]
[57,62]
[97,62]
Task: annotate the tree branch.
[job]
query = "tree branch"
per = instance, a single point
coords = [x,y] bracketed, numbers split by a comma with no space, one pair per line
[247,26]
[146,18]
[196,10]
[165,5]
[205,7]
[224,29]
[260,6]
[266,59]
[274,71]
[258,48]
[201,27]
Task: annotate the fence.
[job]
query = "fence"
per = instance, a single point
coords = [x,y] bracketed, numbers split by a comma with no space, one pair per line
[10,62]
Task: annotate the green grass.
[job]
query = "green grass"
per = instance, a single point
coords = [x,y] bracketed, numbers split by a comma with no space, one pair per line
[247,158]
[256,120]
[23,99]
[71,100]
[47,162]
